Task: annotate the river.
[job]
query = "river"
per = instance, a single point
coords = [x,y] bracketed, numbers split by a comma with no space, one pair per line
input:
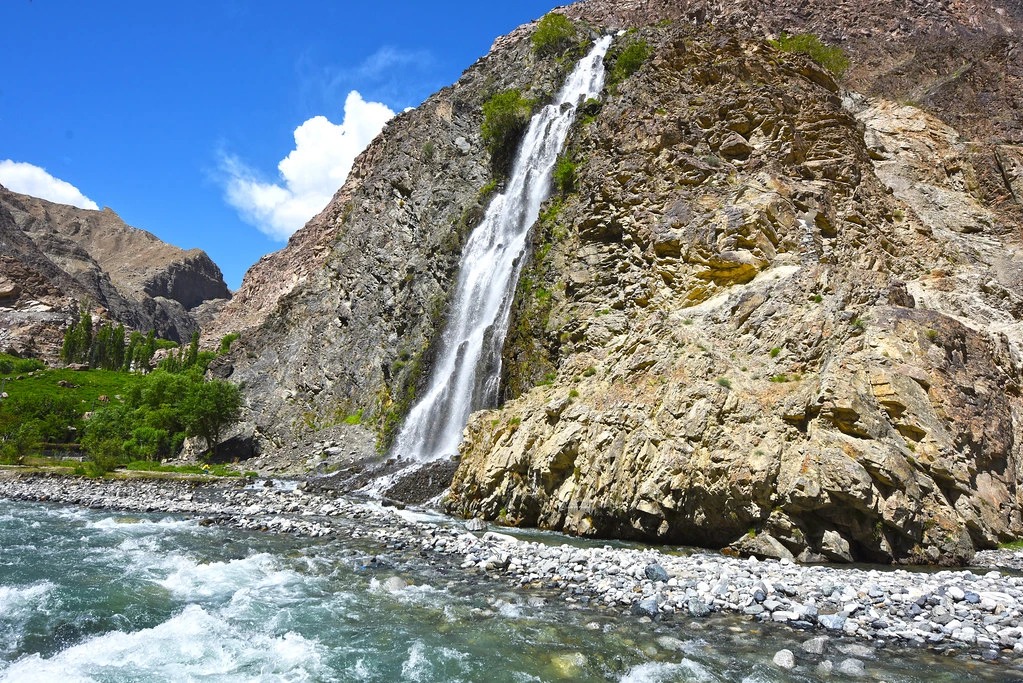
[88,595]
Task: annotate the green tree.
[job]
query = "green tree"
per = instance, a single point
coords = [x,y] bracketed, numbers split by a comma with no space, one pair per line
[192,354]
[78,340]
[209,408]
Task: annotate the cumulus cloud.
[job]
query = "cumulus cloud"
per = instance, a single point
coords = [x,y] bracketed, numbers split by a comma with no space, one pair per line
[19,176]
[310,174]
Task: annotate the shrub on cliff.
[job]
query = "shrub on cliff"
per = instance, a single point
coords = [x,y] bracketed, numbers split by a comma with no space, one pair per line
[831,57]
[627,61]
[553,35]
[505,118]
[564,175]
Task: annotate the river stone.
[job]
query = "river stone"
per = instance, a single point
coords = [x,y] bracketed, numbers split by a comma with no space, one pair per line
[856,650]
[569,666]
[475,524]
[655,572]
[784,659]
[852,667]
[832,622]
[647,607]
[815,646]
[697,607]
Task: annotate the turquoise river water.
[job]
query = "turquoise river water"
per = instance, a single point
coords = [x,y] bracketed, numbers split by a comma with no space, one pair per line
[99,596]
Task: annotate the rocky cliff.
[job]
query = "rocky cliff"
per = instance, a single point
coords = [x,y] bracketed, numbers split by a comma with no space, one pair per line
[340,323]
[778,312]
[56,259]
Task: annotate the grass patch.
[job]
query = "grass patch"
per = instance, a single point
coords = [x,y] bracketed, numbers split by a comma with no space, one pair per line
[775,351]
[353,419]
[724,382]
[83,386]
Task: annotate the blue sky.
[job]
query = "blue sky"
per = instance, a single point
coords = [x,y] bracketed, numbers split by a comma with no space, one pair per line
[177,114]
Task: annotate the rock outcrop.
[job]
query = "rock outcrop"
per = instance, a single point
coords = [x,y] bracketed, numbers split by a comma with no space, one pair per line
[767,314]
[778,312]
[59,259]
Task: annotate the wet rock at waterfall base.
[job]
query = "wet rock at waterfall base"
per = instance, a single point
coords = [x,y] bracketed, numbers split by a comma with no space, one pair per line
[424,484]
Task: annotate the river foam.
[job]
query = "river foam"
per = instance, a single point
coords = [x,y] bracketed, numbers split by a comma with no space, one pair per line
[195,644]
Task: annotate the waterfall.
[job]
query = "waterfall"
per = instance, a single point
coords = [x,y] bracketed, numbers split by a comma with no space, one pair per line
[467,371]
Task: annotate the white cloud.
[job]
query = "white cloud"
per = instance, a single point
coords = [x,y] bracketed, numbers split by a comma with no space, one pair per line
[310,174]
[19,176]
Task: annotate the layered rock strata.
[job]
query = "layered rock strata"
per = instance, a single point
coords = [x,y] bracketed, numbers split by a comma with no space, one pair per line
[769,319]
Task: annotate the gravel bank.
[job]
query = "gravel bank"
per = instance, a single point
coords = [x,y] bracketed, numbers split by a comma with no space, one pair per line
[857,610]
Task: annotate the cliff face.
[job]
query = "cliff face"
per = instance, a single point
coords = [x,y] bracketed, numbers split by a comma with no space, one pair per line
[780,315]
[775,313]
[341,321]
[57,259]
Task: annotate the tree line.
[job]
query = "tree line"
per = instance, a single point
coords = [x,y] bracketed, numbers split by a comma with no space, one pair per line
[149,416]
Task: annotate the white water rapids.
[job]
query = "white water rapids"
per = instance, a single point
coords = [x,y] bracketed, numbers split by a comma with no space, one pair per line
[467,372]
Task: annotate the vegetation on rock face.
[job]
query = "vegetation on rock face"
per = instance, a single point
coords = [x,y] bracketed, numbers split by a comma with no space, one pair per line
[553,35]
[627,61]
[226,341]
[831,57]
[564,175]
[505,118]
[530,353]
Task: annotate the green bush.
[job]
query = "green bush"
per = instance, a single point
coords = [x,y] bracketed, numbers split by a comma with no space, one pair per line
[564,175]
[831,57]
[553,35]
[12,365]
[226,341]
[505,118]
[628,61]
[103,457]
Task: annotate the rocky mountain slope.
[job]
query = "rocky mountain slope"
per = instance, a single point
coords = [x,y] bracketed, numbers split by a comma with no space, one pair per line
[778,312]
[340,322]
[55,259]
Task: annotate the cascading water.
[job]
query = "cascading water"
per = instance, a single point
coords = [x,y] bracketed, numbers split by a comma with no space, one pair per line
[467,372]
